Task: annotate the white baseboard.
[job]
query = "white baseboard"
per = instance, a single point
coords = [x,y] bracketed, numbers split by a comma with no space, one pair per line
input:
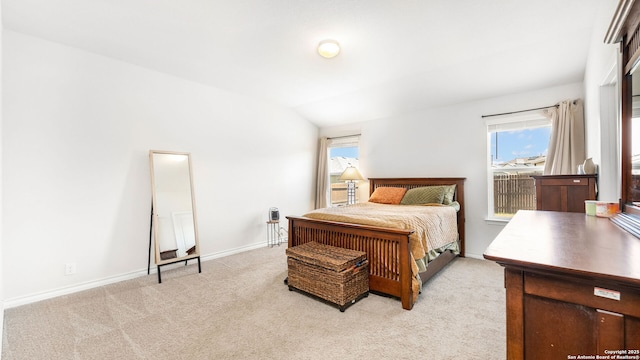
[475,256]
[49,294]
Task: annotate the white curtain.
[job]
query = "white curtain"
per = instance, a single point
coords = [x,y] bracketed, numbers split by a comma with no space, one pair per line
[567,144]
[322,181]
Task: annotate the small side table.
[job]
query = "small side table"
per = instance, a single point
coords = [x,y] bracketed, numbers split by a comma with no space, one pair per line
[275,233]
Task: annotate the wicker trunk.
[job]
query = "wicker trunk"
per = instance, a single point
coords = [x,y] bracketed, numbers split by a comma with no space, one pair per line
[336,275]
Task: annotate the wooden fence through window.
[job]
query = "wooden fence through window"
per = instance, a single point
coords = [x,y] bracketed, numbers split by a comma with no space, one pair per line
[513,192]
[339,193]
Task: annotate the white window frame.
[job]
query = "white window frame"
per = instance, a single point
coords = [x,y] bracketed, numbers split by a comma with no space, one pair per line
[340,142]
[516,121]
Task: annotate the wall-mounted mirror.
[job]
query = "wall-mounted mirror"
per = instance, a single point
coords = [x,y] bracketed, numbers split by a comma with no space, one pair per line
[623,31]
[173,218]
[630,136]
[633,185]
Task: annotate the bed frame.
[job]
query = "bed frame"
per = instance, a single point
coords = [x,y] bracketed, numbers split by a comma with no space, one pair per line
[382,245]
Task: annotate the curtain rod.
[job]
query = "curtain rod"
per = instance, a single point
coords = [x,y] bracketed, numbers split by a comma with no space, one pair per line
[345,136]
[520,111]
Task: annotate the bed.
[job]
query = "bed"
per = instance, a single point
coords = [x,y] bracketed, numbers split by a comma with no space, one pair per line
[392,269]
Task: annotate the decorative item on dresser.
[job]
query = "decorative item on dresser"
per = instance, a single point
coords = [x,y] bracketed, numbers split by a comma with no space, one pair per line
[589,167]
[392,267]
[564,192]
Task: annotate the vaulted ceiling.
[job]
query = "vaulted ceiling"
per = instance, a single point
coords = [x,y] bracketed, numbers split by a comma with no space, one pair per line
[397,56]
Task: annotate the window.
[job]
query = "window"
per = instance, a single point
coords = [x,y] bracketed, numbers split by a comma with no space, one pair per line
[342,153]
[517,150]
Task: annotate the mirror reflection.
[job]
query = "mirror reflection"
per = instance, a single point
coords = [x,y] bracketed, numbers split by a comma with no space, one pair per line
[635,138]
[174,220]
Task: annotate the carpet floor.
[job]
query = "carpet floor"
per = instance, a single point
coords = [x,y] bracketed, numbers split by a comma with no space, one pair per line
[239,308]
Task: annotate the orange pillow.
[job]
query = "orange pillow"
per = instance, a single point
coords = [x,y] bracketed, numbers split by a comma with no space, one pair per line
[388,195]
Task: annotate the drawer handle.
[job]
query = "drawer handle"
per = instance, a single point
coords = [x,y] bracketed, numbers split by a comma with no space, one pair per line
[606,293]
[576,181]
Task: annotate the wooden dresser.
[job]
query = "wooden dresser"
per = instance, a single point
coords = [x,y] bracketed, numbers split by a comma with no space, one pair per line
[564,192]
[572,286]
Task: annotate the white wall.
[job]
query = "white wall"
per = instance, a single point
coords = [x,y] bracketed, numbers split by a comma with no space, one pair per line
[1,241]
[602,91]
[76,184]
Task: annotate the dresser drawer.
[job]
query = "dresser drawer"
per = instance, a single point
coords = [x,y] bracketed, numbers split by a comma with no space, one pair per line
[562,182]
[608,297]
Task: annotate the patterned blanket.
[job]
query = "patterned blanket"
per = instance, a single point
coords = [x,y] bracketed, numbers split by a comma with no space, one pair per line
[435,227]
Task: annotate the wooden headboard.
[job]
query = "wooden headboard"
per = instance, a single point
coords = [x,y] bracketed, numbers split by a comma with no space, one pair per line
[411,183]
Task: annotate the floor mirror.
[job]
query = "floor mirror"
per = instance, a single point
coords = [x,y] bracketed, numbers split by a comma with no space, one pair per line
[174,227]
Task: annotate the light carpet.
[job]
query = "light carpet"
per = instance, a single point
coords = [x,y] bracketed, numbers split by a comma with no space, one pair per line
[239,308]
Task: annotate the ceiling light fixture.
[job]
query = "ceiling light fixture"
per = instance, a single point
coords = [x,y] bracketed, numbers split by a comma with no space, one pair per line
[328,48]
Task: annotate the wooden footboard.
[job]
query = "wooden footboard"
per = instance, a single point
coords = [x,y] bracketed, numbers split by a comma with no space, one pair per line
[387,250]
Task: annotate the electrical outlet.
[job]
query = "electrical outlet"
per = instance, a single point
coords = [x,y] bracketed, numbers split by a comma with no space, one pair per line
[70,268]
